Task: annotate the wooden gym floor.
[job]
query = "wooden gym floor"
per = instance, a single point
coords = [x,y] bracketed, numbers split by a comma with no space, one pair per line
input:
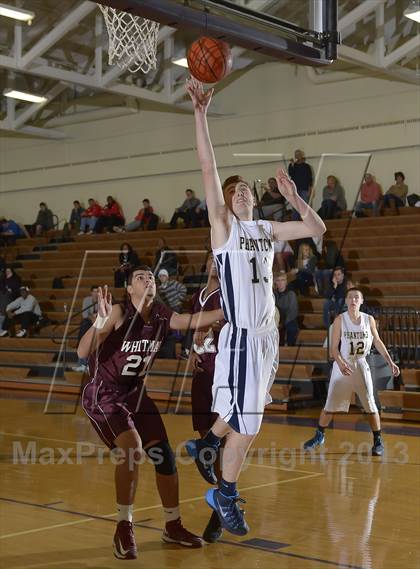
[338,508]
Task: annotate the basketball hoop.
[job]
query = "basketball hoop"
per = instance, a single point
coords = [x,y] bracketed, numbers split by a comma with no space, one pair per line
[132,40]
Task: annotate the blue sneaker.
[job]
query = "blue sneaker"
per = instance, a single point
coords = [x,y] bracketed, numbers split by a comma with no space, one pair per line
[214,530]
[230,515]
[316,441]
[378,447]
[205,457]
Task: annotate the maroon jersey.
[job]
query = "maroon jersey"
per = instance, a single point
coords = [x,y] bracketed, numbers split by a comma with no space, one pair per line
[127,354]
[208,350]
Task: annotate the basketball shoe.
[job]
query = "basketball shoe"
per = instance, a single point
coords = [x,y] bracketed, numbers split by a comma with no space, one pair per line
[316,441]
[175,532]
[230,514]
[124,541]
[378,447]
[214,530]
[205,457]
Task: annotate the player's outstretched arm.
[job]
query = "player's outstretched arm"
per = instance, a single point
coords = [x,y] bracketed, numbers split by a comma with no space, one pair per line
[344,366]
[380,346]
[311,224]
[106,319]
[213,188]
[198,320]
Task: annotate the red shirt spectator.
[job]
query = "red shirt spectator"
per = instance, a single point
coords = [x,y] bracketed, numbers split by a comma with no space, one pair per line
[94,209]
[144,213]
[370,191]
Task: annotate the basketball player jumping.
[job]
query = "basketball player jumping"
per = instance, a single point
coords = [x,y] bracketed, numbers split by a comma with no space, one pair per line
[121,346]
[248,343]
[352,335]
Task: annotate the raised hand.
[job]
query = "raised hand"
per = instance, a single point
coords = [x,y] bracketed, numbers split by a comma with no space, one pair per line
[200,98]
[104,302]
[285,184]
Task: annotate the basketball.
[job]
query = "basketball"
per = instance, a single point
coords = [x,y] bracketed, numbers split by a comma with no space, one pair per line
[209,59]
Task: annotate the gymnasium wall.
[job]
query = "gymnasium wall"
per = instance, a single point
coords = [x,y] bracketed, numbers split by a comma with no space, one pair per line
[272,109]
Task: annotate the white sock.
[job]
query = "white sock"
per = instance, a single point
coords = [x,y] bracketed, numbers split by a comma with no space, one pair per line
[124,513]
[171,514]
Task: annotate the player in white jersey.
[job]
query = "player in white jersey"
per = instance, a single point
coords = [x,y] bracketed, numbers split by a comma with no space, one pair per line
[352,336]
[248,343]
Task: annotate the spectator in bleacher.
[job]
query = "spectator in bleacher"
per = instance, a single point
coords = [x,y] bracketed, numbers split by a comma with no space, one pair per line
[170,291]
[76,215]
[302,175]
[184,211]
[305,270]
[128,259]
[370,196]
[287,305]
[397,194]
[111,216]
[90,311]
[145,219]
[10,231]
[10,284]
[199,215]
[333,199]
[90,216]
[44,221]
[331,258]
[284,258]
[165,258]
[24,310]
[335,295]
[272,203]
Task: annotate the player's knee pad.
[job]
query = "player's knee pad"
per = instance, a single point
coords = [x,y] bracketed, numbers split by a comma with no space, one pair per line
[163,458]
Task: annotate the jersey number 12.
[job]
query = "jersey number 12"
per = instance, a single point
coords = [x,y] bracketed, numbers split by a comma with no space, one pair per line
[357,350]
[255,279]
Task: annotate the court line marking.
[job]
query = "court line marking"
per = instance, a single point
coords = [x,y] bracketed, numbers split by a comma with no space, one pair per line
[50,439]
[185,501]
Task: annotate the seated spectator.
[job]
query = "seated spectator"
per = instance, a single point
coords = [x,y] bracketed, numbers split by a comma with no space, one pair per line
[184,211]
[272,203]
[284,258]
[200,216]
[44,221]
[128,259]
[165,258]
[89,313]
[331,258]
[89,217]
[306,265]
[24,310]
[171,292]
[396,195]
[10,284]
[144,220]
[287,305]
[76,215]
[335,295]
[10,231]
[333,199]
[110,217]
[370,196]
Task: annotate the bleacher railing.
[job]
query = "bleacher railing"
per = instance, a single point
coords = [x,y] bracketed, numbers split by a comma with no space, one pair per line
[399,328]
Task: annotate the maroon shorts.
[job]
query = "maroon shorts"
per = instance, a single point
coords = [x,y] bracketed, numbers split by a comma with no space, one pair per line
[201,402]
[111,413]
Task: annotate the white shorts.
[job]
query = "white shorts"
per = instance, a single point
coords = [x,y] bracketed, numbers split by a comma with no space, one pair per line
[245,369]
[342,387]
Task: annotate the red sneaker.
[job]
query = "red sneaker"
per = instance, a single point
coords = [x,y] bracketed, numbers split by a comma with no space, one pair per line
[175,532]
[124,544]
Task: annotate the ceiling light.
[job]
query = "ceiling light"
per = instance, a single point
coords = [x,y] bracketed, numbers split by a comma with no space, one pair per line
[16,13]
[22,96]
[182,62]
[413,11]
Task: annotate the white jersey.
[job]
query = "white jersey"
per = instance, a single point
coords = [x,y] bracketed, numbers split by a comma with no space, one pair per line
[356,339]
[245,268]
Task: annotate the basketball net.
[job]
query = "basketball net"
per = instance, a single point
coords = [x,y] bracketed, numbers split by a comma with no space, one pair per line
[132,40]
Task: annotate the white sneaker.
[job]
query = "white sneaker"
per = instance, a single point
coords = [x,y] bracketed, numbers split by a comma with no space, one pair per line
[21,333]
[81,233]
[79,369]
[90,232]
[3,333]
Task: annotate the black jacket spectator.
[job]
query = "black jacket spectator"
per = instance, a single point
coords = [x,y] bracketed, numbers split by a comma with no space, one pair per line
[76,215]
[301,174]
[128,259]
[44,220]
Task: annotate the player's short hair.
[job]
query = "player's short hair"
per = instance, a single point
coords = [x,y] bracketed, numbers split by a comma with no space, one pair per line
[354,289]
[232,180]
[135,269]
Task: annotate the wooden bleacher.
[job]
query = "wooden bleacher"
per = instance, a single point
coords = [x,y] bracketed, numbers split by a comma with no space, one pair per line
[382,255]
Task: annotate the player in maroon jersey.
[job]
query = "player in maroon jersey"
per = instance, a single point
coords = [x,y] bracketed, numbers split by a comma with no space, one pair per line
[203,357]
[121,346]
